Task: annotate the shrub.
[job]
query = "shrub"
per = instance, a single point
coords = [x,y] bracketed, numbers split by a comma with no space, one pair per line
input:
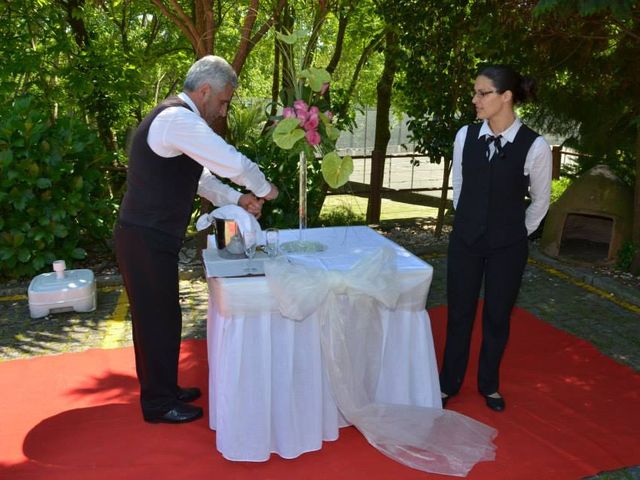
[282,169]
[558,187]
[625,256]
[341,215]
[53,197]
[280,166]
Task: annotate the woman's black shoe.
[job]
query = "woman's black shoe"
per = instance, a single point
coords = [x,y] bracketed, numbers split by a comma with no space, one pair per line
[445,399]
[495,403]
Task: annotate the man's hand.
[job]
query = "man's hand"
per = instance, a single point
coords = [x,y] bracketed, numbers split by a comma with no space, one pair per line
[251,204]
[273,194]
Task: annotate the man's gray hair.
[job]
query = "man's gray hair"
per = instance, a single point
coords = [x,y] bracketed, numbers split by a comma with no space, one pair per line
[213,70]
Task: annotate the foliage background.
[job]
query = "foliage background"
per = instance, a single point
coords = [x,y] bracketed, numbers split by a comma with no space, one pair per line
[79,75]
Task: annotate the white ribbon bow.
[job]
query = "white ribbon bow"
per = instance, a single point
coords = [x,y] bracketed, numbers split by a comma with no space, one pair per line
[346,303]
[372,276]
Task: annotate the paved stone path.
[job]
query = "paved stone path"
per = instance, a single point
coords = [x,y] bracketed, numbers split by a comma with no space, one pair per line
[555,294]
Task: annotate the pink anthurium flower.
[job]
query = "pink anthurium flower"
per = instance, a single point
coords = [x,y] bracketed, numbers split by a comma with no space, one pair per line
[313,137]
[302,117]
[301,106]
[312,122]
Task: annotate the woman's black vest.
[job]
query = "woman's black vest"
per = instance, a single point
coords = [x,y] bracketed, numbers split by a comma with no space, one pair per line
[492,199]
[160,191]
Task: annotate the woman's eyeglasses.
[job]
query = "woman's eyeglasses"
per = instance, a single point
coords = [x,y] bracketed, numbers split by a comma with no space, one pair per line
[482,94]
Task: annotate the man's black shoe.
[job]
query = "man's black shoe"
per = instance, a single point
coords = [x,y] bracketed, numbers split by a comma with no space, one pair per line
[180,413]
[495,403]
[188,394]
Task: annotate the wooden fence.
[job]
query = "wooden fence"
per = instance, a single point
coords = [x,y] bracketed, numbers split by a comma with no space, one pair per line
[411,178]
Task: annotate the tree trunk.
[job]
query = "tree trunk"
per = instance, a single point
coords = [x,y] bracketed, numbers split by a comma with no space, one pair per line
[275,83]
[206,26]
[364,57]
[318,19]
[248,41]
[98,105]
[201,29]
[635,264]
[76,22]
[442,207]
[286,50]
[343,20]
[382,135]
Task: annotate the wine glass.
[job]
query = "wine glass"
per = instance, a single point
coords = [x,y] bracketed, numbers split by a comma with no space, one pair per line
[271,242]
[250,242]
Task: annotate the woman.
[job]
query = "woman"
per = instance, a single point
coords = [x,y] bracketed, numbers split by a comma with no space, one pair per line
[495,164]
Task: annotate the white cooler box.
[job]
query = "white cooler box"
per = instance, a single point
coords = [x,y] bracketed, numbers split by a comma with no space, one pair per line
[62,291]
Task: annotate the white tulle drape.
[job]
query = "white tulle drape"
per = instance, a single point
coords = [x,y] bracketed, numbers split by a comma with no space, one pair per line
[428,439]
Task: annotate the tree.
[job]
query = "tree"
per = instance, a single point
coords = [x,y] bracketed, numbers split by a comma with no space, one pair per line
[201,23]
[439,63]
[356,63]
[592,48]
[106,63]
[72,70]
[382,133]
[339,23]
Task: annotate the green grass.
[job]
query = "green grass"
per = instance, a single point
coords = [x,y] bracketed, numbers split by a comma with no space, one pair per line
[354,210]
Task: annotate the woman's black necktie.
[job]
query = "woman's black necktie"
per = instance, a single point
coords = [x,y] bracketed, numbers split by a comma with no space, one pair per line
[497,144]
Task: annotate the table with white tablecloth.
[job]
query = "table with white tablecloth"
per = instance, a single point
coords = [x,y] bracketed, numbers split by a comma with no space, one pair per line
[268,390]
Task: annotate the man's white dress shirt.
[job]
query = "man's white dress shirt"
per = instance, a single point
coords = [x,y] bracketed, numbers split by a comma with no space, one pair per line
[177,130]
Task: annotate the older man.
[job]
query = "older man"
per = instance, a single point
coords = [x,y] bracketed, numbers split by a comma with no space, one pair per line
[174,155]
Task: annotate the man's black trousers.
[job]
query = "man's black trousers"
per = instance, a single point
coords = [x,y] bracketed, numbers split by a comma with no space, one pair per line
[148,263]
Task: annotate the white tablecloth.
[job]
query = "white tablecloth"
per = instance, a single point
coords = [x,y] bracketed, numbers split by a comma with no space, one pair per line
[268,392]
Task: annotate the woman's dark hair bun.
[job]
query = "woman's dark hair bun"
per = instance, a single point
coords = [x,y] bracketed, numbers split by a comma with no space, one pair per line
[506,78]
[527,90]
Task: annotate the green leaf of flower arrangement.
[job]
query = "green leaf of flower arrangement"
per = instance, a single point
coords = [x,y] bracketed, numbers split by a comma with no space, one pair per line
[332,132]
[336,170]
[287,133]
[316,76]
[291,38]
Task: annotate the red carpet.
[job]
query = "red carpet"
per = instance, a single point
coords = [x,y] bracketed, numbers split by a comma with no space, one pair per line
[571,413]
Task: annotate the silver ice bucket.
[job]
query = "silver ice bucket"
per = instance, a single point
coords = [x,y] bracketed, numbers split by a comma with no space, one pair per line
[228,238]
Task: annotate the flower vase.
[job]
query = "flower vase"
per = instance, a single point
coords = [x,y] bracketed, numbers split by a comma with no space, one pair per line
[302,196]
[301,245]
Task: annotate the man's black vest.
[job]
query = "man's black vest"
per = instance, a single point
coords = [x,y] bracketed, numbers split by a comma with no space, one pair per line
[492,199]
[160,191]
